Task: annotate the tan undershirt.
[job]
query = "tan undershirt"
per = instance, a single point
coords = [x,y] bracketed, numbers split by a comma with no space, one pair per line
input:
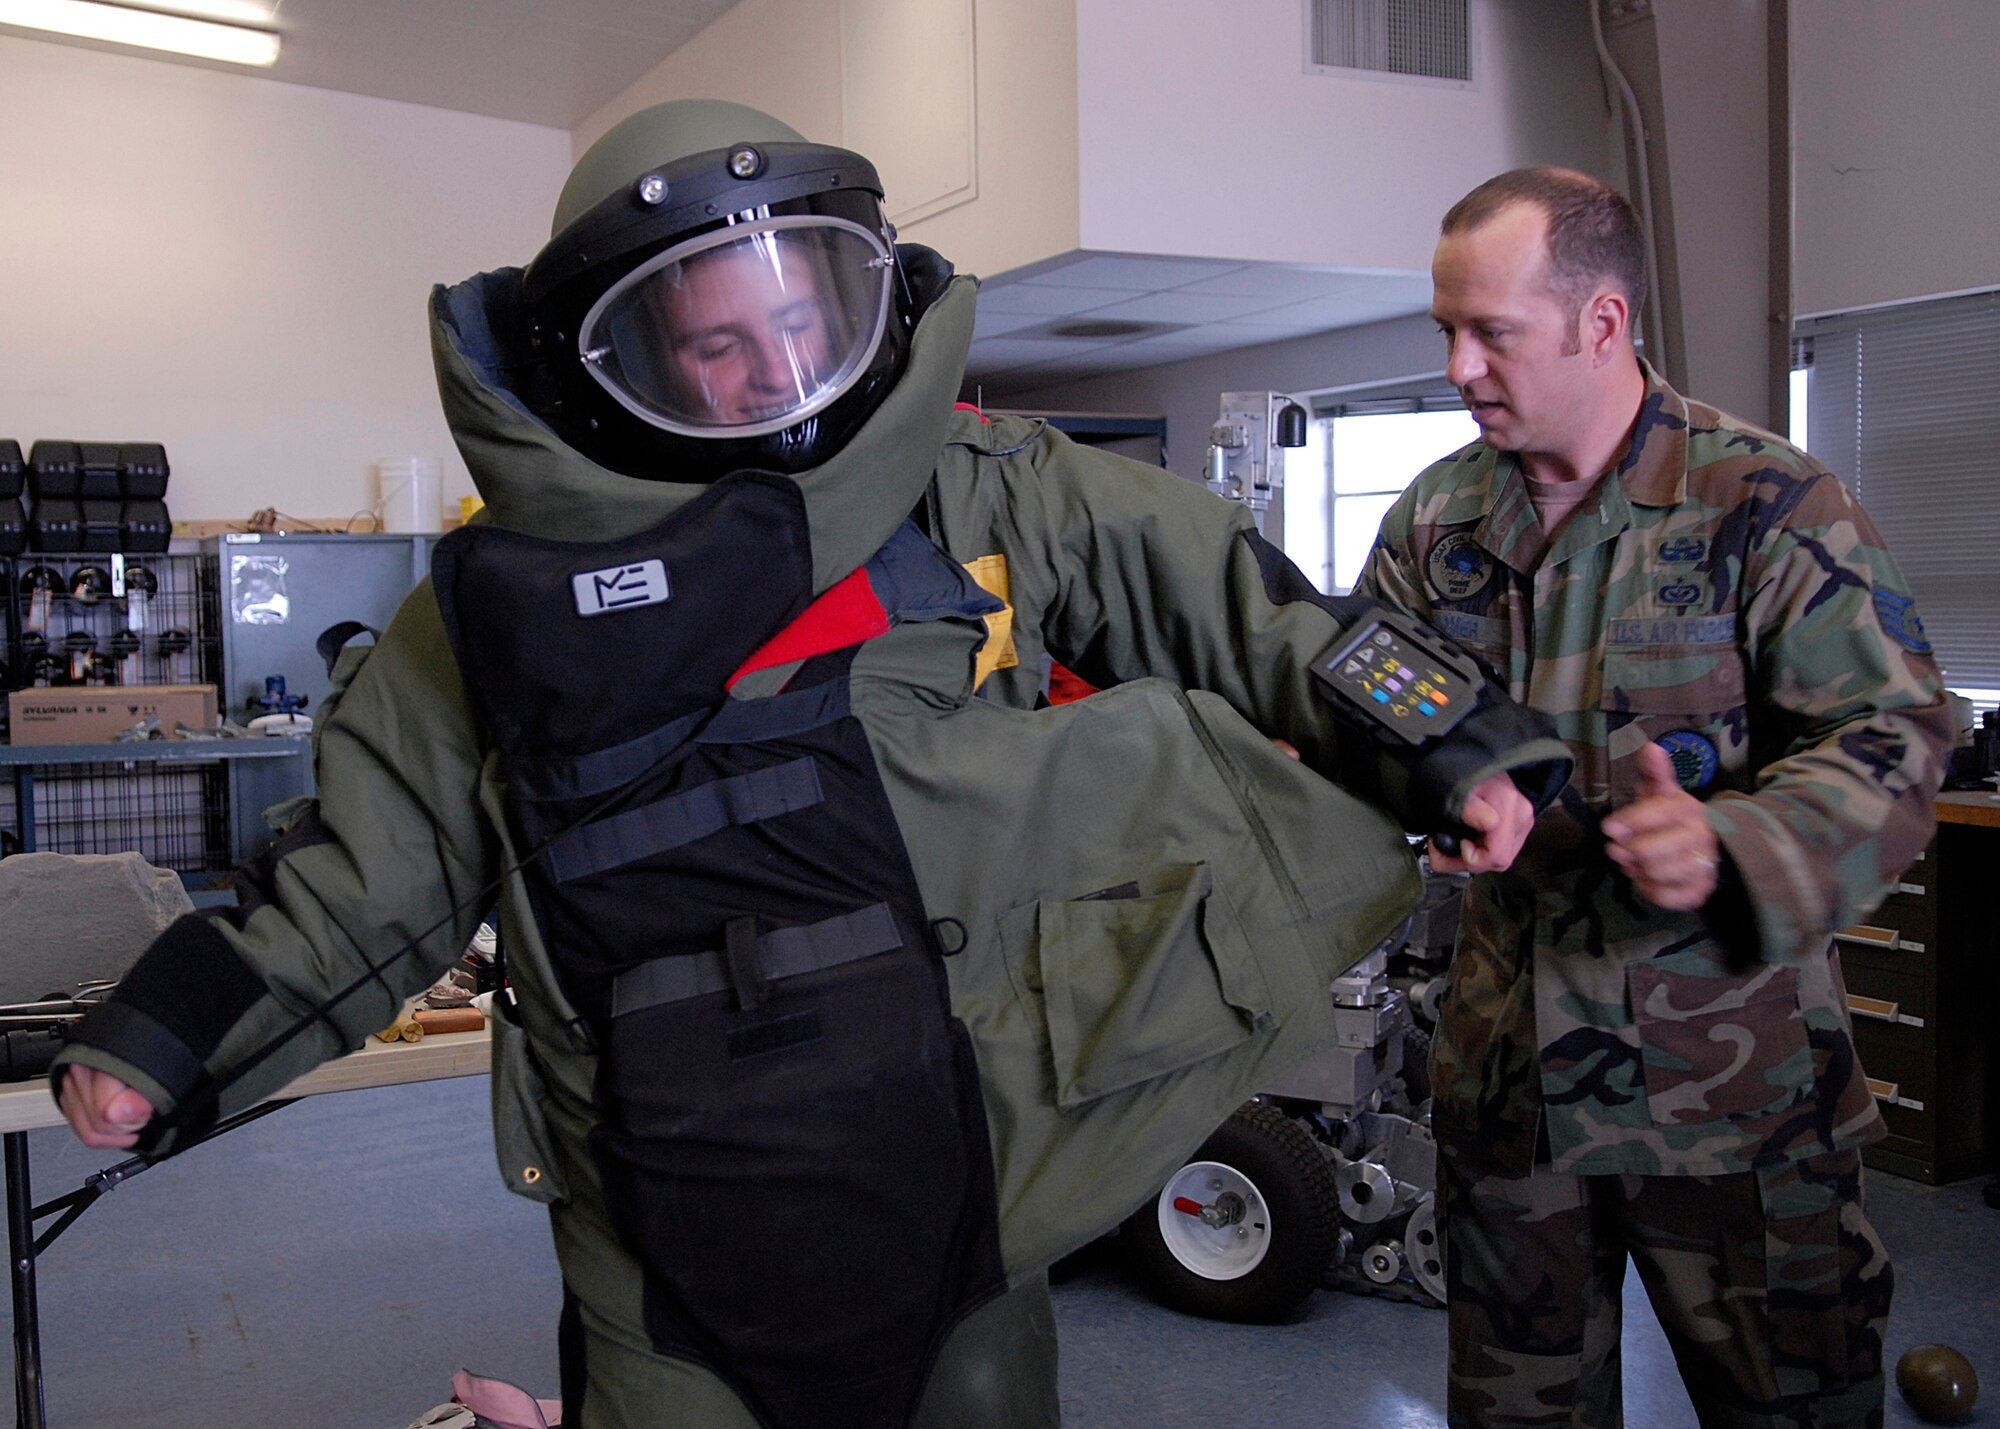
[1555,500]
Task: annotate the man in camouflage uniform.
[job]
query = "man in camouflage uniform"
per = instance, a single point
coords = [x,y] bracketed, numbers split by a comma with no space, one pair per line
[1645,1049]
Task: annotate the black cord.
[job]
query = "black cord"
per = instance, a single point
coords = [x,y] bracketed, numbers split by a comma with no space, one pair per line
[208,1092]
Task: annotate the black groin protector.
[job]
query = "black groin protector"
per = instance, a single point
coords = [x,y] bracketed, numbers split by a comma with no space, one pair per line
[794,1144]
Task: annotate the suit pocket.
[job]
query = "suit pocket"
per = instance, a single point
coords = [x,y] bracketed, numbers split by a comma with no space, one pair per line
[1718,1046]
[521,1137]
[1136,981]
[1692,702]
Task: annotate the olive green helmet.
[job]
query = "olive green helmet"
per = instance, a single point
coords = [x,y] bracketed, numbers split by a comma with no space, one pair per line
[717,293]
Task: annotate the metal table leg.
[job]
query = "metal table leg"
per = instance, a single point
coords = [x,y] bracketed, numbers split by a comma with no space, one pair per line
[29,1410]
[24,1245]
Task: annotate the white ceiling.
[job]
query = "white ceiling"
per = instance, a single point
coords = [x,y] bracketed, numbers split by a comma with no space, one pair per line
[1089,313]
[548,62]
[555,64]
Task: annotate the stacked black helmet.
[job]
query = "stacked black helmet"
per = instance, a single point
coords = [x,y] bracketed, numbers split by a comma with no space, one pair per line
[718,294]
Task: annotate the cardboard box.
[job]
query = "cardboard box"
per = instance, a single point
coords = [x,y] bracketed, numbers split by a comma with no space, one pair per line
[96,714]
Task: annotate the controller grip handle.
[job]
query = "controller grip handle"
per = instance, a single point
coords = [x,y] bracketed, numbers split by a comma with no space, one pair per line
[1448,842]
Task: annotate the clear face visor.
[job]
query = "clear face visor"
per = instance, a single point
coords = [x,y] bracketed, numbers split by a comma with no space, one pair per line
[745,330]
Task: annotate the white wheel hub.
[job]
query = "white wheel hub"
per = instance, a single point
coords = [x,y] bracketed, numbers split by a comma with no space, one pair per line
[1214,1221]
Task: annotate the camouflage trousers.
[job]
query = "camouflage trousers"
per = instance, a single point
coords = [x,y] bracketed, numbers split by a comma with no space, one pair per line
[1772,1288]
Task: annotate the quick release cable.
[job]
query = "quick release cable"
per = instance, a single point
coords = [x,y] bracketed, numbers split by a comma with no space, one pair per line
[206,1096]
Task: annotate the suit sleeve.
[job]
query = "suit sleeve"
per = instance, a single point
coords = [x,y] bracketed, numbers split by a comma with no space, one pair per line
[1154,575]
[393,855]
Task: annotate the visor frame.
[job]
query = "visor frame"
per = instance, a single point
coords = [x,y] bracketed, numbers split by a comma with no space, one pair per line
[734,230]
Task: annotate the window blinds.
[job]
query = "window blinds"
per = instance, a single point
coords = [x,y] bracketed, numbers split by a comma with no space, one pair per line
[1906,409]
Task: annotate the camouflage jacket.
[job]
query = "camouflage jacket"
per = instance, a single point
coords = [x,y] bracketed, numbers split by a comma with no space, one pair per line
[1721,594]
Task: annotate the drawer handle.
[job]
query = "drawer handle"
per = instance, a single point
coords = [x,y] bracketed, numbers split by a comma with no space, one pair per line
[1881,1010]
[1888,1092]
[1884,938]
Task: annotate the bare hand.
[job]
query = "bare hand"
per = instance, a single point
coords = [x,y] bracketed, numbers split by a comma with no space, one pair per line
[1499,817]
[102,1110]
[1663,841]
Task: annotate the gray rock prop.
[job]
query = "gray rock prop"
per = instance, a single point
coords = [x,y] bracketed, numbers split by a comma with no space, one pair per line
[67,918]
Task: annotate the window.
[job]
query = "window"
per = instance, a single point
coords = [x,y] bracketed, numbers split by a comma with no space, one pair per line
[1799,434]
[1372,458]
[1901,410]
[1306,528]
[1360,458]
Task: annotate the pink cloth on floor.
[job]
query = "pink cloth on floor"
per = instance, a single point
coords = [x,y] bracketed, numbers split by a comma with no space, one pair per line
[504,1405]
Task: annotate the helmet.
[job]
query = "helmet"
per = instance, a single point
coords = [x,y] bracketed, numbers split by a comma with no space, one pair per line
[718,293]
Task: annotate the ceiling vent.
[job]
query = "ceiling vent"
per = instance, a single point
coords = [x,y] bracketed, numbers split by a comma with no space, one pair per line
[1419,39]
[1101,328]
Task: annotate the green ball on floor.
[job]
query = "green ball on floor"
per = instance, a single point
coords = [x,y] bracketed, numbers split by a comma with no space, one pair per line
[1938,1383]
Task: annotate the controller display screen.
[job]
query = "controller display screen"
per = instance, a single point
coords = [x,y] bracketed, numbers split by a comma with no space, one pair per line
[1412,691]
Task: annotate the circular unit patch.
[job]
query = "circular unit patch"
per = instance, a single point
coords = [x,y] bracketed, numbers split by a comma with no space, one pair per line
[1458,568]
[1694,758]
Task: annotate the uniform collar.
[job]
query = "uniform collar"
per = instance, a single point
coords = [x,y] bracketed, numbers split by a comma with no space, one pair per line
[1653,467]
[1650,470]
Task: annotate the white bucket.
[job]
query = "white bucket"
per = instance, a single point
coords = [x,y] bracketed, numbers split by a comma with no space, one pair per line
[407,494]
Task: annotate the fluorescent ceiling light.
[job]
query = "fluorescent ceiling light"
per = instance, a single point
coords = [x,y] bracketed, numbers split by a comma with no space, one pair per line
[145,28]
[238,12]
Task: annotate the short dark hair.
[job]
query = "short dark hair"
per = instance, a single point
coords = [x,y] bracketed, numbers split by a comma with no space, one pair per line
[1593,233]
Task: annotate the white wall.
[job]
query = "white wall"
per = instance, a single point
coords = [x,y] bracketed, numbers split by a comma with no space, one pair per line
[1896,164]
[780,56]
[239,268]
[1714,76]
[1203,135]
[784,57]
[1188,394]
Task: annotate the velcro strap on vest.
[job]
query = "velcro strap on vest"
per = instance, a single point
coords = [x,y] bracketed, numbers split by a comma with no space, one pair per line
[782,953]
[579,776]
[682,818]
[776,716]
[746,964]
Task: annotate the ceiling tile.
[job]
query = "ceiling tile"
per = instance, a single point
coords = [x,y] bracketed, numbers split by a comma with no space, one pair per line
[1182,307]
[1280,282]
[1084,365]
[1045,301]
[996,353]
[1132,273]
[1248,334]
[987,323]
[1322,314]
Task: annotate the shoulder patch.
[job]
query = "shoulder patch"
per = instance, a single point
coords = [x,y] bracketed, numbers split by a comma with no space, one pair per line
[1458,568]
[1694,758]
[1898,614]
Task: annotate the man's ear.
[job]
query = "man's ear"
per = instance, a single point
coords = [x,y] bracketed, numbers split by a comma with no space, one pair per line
[1607,326]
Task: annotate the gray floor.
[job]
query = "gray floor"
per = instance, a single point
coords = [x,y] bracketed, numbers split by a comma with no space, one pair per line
[330,1266]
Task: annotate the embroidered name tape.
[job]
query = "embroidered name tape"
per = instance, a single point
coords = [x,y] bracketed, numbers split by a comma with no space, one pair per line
[620,587]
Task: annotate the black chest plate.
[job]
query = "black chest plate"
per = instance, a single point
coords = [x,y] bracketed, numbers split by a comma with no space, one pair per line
[725,896]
